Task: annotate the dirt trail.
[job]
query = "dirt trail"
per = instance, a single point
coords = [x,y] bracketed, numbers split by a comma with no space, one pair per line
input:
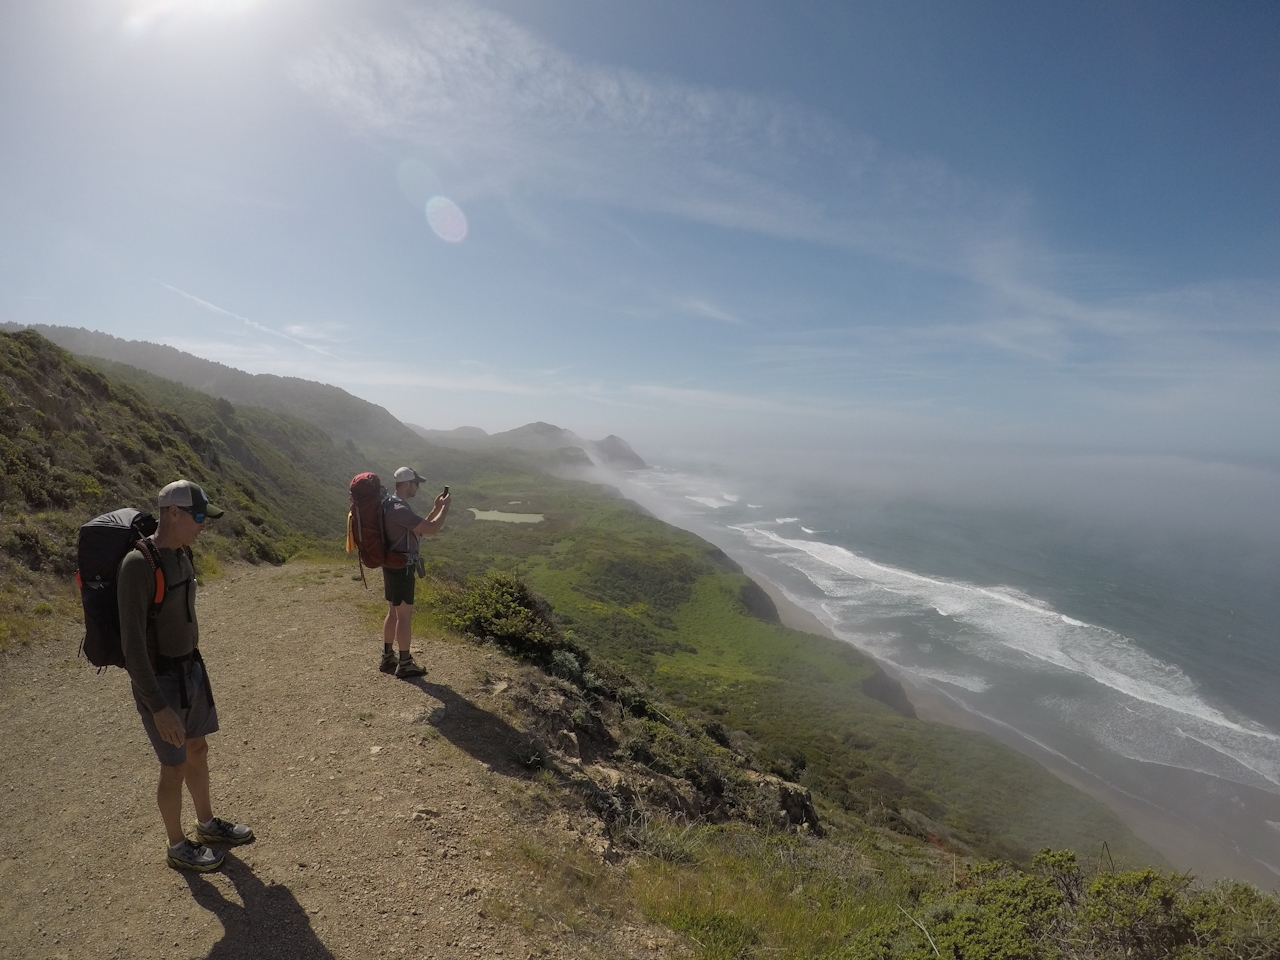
[389,814]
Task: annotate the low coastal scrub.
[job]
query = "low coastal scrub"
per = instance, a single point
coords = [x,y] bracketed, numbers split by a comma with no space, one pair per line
[690,836]
[1056,912]
[686,807]
[795,897]
[501,608]
[75,443]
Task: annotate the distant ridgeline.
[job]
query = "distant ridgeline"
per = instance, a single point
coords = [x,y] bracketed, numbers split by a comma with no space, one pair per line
[349,421]
[340,415]
[540,437]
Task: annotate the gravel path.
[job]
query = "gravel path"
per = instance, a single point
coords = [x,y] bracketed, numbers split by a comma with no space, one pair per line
[390,817]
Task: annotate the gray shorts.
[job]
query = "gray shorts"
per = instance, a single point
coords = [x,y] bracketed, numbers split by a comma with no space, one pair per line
[199,719]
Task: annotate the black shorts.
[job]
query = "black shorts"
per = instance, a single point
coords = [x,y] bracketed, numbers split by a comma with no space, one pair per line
[397,585]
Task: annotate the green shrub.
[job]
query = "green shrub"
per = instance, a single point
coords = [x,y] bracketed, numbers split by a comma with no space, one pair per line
[1139,914]
[566,666]
[502,608]
[1003,914]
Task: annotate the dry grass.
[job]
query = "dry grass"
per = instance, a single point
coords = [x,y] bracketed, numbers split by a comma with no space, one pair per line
[782,895]
[579,896]
[34,608]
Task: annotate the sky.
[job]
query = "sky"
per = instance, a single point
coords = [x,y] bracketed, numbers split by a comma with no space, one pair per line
[1007,236]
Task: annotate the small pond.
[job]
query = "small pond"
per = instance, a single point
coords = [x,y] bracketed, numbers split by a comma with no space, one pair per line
[506,517]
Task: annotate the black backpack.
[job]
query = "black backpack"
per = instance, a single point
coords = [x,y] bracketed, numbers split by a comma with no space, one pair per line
[104,542]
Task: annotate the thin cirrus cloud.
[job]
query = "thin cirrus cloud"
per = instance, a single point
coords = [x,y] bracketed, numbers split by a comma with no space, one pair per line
[503,112]
[500,112]
[700,307]
[250,324]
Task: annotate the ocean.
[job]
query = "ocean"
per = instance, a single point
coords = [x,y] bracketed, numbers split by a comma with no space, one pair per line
[1140,664]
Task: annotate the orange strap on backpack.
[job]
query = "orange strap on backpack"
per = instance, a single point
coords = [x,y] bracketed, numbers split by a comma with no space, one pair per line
[149,550]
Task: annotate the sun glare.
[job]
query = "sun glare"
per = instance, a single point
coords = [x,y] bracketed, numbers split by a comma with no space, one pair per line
[143,17]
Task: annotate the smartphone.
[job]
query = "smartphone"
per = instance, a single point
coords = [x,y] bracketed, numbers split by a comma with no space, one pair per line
[446,489]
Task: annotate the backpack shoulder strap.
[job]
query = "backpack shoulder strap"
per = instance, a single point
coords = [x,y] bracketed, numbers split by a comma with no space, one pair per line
[149,550]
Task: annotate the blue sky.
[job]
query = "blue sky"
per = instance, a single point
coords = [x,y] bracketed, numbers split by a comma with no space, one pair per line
[701,225]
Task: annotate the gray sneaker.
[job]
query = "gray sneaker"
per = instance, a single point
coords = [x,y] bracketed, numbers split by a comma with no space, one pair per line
[189,855]
[218,830]
[388,663]
[410,668]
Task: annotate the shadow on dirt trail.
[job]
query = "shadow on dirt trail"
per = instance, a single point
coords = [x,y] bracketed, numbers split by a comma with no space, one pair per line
[477,732]
[271,925]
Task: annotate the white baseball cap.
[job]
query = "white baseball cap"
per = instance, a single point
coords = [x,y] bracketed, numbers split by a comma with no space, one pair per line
[408,475]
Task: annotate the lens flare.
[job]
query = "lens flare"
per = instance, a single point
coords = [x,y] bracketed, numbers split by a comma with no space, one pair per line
[447,219]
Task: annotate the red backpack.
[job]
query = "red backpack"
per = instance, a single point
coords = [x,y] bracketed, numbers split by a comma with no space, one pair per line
[366,534]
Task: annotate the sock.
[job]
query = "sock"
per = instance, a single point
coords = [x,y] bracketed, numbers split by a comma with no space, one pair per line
[405,655]
[175,846]
[206,824]
[386,649]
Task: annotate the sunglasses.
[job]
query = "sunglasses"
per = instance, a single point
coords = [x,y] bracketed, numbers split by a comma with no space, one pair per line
[197,515]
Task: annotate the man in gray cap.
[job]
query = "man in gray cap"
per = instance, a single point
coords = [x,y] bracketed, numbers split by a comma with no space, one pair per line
[170,685]
[403,527]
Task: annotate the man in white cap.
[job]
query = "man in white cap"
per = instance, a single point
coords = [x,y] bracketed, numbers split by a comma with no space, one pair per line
[156,590]
[403,527]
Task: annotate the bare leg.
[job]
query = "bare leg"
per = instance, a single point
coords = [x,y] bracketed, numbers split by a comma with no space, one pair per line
[169,800]
[198,776]
[389,626]
[404,624]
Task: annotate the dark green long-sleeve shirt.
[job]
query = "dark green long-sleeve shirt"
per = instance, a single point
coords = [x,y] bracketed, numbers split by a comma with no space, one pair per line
[176,633]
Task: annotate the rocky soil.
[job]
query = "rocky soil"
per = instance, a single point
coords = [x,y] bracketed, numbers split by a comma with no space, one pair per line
[393,817]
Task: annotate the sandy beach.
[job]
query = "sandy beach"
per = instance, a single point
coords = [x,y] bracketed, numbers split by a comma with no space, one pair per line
[1186,846]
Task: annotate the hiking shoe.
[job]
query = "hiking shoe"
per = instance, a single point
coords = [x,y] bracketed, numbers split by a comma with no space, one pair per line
[218,830]
[410,668]
[388,664]
[189,855]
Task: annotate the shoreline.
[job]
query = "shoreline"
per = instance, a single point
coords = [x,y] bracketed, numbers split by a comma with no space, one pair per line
[1186,847]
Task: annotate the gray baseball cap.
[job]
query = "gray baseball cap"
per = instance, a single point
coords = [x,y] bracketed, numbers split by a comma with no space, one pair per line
[408,475]
[189,496]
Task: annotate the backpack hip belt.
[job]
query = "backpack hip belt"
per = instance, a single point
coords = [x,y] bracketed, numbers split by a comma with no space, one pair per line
[174,667]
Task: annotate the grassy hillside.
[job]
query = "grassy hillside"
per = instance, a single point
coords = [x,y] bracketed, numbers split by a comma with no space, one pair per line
[304,474]
[75,443]
[339,414]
